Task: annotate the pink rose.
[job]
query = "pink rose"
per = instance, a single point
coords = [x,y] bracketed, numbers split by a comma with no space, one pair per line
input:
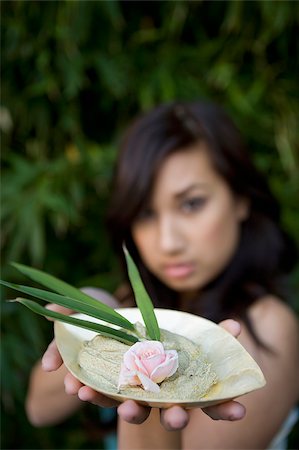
[147,363]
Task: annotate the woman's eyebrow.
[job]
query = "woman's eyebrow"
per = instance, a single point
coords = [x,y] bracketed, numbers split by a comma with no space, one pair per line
[189,189]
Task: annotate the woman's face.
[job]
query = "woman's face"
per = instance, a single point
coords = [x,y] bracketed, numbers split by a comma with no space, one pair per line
[190,230]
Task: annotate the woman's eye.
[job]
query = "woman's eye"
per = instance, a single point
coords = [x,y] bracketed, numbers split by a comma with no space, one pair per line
[193,204]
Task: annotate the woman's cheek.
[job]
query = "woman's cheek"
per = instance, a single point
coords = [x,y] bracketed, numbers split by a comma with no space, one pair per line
[145,241]
[218,236]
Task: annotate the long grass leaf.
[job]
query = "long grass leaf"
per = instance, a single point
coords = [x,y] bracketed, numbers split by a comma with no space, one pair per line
[61,287]
[76,305]
[143,300]
[101,329]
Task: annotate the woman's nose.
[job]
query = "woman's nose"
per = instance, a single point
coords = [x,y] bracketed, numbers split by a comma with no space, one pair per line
[171,238]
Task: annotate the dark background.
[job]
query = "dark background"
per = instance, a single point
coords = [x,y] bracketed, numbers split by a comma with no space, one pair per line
[74,73]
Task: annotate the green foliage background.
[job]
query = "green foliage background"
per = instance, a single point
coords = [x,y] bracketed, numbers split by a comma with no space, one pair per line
[74,73]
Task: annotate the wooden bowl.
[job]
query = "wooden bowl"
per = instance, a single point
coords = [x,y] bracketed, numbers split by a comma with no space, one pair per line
[237,372]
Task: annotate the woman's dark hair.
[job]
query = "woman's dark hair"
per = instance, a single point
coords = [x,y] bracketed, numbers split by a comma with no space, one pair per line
[265,253]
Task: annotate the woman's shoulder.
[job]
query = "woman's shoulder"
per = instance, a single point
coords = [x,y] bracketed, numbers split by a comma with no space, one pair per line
[275,321]
[271,303]
[277,328]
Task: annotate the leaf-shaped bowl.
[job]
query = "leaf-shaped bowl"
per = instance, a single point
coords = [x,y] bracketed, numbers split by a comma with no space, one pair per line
[237,372]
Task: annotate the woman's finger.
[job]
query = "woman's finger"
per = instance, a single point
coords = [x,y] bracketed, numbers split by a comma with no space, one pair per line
[51,359]
[74,387]
[59,309]
[232,326]
[87,394]
[71,384]
[174,418]
[226,411]
[132,412]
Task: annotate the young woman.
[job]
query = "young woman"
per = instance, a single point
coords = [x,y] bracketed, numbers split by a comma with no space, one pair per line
[205,232]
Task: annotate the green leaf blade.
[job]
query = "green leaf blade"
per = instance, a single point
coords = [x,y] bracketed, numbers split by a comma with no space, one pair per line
[142,298]
[63,288]
[92,326]
[68,302]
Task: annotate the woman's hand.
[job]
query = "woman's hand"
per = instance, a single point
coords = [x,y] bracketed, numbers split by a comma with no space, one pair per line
[52,360]
[174,418]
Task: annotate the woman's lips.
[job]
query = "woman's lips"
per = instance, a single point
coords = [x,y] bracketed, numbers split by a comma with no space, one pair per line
[179,270]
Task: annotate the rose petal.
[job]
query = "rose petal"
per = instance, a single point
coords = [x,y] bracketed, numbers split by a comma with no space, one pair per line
[140,366]
[147,363]
[147,383]
[132,362]
[167,368]
[151,363]
[173,356]
[153,347]
[141,352]
[127,378]
[129,359]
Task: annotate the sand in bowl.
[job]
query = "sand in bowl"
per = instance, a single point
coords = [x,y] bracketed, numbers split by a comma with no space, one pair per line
[101,358]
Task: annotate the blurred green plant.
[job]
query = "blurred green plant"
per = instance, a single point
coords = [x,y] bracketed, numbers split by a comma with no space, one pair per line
[73,75]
